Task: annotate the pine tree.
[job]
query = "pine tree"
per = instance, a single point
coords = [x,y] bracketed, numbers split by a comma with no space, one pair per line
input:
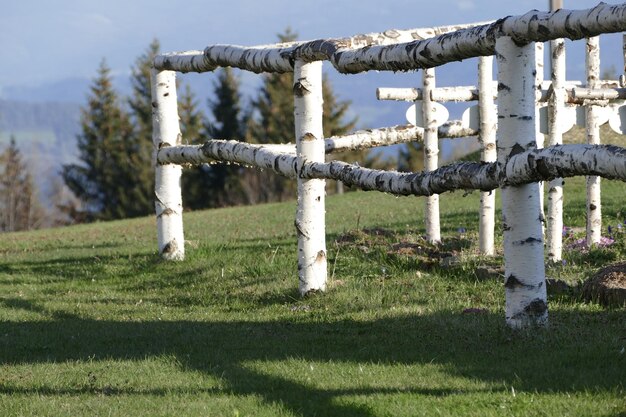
[230,122]
[140,104]
[20,208]
[275,124]
[195,180]
[411,158]
[333,117]
[109,178]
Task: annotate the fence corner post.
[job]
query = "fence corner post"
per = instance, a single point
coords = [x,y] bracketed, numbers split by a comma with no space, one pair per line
[167,193]
[310,147]
[431,155]
[594,200]
[487,137]
[525,287]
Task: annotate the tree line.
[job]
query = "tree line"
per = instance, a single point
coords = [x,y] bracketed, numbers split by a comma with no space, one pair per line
[114,177]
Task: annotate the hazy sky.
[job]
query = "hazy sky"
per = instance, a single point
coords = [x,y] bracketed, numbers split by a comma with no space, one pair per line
[45,41]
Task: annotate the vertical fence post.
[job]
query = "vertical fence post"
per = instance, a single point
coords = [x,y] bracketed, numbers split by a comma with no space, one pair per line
[526,302]
[539,136]
[167,193]
[556,111]
[310,213]
[594,209]
[487,137]
[431,154]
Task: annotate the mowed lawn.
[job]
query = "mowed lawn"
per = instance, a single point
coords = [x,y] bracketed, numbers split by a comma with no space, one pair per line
[92,323]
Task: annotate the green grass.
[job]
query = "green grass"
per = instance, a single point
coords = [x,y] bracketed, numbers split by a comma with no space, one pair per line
[92,323]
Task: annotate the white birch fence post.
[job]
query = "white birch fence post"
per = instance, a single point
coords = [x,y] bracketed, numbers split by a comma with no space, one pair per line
[487,137]
[167,192]
[594,209]
[556,107]
[431,154]
[526,301]
[539,136]
[310,147]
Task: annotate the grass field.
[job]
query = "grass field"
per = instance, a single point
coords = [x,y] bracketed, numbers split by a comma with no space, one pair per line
[93,324]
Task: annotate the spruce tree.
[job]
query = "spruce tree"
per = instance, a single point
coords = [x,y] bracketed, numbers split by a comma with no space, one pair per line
[109,178]
[20,208]
[275,123]
[411,157]
[195,180]
[229,123]
[140,104]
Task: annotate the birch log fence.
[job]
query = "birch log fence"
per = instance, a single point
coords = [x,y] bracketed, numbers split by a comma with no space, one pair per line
[517,168]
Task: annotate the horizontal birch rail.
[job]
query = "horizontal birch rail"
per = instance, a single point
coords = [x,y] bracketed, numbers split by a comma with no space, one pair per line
[361,139]
[574,95]
[281,57]
[545,164]
[390,52]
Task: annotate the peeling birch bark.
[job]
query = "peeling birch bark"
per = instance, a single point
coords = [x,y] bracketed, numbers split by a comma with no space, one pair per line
[431,155]
[555,188]
[168,200]
[370,138]
[310,213]
[487,138]
[396,54]
[281,57]
[535,165]
[533,26]
[600,94]
[571,95]
[526,301]
[594,209]
[441,94]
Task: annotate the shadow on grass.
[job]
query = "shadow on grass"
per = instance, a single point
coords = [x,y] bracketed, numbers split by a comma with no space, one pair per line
[579,353]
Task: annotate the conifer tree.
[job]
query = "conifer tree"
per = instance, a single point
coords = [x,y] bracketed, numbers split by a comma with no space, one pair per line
[195,180]
[140,104]
[274,123]
[411,158]
[109,178]
[20,208]
[230,122]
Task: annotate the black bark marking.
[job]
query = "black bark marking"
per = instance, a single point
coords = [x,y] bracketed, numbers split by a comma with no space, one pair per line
[543,30]
[529,240]
[592,207]
[525,117]
[166,212]
[542,167]
[512,282]
[558,51]
[308,137]
[536,308]
[166,94]
[299,88]
[169,248]
[503,87]
[296,223]
[516,149]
